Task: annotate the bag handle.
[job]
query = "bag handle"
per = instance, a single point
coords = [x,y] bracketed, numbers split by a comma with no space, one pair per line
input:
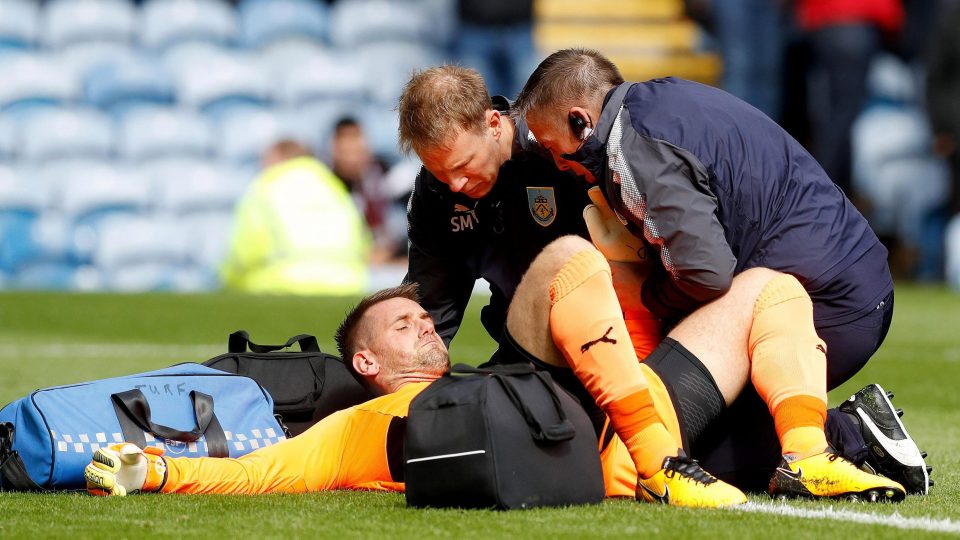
[240,340]
[554,433]
[133,412]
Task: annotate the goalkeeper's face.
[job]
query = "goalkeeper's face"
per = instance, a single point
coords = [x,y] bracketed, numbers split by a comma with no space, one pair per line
[406,341]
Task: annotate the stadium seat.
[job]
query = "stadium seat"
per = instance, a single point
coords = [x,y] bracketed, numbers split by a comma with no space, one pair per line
[57,134]
[387,66]
[19,24]
[34,81]
[149,133]
[381,125]
[356,22]
[166,22]
[132,239]
[210,234]
[46,275]
[280,56]
[71,21]
[321,78]
[9,127]
[245,133]
[266,21]
[120,85]
[20,206]
[218,83]
[312,123]
[185,187]
[141,253]
[87,193]
[46,239]
[80,59]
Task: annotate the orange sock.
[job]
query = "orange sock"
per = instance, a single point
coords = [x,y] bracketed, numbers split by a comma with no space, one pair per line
[587,326]
[789,365]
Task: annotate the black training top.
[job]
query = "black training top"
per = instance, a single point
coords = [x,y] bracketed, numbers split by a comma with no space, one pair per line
[456,240]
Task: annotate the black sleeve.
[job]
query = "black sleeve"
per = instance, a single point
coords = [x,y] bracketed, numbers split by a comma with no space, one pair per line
[663,191]
[445,279]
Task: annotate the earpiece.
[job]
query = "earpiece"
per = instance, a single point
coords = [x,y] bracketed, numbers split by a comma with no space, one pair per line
[579,127]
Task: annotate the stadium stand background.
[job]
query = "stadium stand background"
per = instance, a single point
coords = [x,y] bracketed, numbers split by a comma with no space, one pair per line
[129,130]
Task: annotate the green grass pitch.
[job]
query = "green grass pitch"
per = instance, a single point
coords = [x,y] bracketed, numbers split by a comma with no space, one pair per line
[50,339]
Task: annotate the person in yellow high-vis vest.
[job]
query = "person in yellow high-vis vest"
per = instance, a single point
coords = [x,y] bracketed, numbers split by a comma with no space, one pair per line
[297,231]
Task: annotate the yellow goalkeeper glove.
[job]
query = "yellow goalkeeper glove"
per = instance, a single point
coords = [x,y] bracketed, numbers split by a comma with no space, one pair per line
[124,468]
[609,234]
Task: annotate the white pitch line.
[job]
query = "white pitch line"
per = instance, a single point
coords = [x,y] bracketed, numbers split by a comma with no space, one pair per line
[888,520]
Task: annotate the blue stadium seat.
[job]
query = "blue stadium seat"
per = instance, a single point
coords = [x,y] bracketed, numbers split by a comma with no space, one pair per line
[131,239]
[167,22]
[34,81]
[187,187]
[321,78]
[388,65]
[20,207]
[151,133]
[46,239]
[266,21]
[381,125]
[9,147]
[209,234]
[19,24]
[245,133]
[355,22]
[124,84]
[220,82]
[81,58]
[280,56]
[71,21]
[58,134]
[87,192]
[46,275]
[143,253]
[313,123]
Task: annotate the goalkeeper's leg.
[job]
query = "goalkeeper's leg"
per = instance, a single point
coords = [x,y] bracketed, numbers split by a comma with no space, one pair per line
[582,325]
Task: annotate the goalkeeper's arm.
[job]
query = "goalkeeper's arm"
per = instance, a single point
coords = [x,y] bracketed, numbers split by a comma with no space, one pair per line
[124,468]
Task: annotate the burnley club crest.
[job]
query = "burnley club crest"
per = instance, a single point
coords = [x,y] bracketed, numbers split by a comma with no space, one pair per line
[542,204]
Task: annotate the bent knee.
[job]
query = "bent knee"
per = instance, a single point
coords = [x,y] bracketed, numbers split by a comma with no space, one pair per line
[559,251]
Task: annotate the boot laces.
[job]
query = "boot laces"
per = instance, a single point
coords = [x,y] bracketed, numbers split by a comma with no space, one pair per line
[687,468]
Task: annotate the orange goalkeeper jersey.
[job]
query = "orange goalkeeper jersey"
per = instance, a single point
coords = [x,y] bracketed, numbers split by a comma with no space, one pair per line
[350,449]
[359,448]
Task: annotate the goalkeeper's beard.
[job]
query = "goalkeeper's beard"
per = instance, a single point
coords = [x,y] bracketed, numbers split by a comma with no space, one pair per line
[435,360]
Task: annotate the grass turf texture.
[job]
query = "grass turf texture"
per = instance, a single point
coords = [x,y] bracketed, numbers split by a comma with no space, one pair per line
[50,339]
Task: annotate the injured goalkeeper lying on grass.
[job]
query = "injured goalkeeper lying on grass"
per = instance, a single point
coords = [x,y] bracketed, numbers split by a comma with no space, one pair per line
[564,316]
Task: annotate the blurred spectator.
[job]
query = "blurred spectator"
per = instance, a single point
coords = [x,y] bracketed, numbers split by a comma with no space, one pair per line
[943,104]
[495,37]
[296,231]
[751,35]
[378,199]
[844,36]
[903,185]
